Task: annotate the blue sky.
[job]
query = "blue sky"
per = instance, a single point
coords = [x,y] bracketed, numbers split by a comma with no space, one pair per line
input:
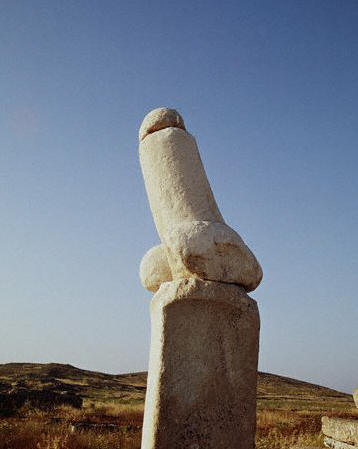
[269,89]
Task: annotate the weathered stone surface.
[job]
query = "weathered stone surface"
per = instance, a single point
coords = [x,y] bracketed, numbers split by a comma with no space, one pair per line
[202,377]
[158,119]
[201,249]
[154,268]
[345,430]
[334,444]
[212,251]
[205,329]
[197,241]
[355,397]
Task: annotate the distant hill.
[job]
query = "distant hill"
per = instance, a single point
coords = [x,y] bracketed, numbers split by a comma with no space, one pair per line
[275,391]
[55,380]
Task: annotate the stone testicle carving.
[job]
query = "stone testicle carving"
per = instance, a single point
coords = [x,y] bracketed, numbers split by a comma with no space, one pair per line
[196,242]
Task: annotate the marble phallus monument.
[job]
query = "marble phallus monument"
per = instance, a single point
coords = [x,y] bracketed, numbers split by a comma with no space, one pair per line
[202,377]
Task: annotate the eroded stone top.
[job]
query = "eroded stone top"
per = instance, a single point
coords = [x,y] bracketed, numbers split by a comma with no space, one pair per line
[160,118]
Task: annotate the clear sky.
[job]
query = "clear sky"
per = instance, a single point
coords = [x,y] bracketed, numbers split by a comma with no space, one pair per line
[269,89]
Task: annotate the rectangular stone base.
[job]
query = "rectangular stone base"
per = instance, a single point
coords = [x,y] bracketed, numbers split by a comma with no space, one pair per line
[201,391]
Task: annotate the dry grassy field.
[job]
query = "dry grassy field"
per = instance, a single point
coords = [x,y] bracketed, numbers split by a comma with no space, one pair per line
[111,411]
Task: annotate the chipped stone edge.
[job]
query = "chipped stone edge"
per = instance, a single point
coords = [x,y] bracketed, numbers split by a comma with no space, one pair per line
[334,444]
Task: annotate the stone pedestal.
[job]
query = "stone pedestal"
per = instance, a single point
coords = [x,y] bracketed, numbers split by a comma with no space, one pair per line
[201,391]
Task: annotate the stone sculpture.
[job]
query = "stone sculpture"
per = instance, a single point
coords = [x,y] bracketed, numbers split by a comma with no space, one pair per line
[202,375]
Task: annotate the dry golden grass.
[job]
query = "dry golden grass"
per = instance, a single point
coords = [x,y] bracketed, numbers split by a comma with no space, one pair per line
[34,429]
[35,435]
[289,411]
[283,429]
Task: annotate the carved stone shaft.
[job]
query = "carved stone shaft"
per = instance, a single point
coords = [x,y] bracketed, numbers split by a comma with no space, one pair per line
[201,391]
